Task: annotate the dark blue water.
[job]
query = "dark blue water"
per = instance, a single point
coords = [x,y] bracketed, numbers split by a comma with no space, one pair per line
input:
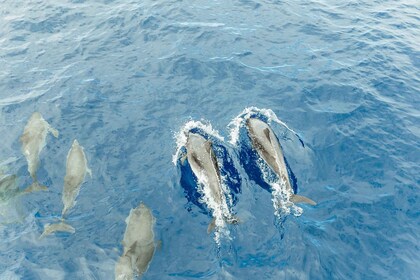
[123,77]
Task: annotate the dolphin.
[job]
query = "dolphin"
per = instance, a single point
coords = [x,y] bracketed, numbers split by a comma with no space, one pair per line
[139,244]
[10,208]
[8,187]
[203,163]
[76,170]
[266,143]
[33,141]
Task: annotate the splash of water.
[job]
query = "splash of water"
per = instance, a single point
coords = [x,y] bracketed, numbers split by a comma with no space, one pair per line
[279,192]
[239,121]
[220,211]
[182,135]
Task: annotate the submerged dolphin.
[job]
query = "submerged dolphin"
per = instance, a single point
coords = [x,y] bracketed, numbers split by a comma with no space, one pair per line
[268,147]
[76,169]
[33,141]
[138,242]
[10,210]
[203,163]
[8,187]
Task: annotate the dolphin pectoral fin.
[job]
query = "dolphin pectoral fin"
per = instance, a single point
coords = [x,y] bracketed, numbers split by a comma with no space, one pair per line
[132,249]
[208,145]
[35,187]
[53,131]
[51,228]
[25,138]
[302,199]
[211,226]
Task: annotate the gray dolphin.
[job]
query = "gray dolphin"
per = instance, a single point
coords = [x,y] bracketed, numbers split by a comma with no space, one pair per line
[203,163]
[10,207]
[8,187]
[33,141]
[76,170]
[267,145]
[139,245]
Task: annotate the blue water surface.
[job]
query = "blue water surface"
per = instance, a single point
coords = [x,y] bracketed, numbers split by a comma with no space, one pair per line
[123,77]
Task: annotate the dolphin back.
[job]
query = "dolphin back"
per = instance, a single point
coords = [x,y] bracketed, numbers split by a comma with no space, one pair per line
[138,244]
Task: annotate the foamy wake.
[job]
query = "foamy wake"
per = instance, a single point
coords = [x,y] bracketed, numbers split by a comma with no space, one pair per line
[220,212]
[280,195]
[239,121]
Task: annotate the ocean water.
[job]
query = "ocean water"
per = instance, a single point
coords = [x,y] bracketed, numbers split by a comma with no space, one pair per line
[125,77]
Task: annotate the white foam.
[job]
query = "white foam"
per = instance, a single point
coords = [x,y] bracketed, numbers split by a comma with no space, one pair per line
[219,211]
[201,24]
[279,192]
[182,134]
[281,200]
[239,121]
[234,126]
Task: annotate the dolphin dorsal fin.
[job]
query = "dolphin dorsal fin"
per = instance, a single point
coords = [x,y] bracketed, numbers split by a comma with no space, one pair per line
[207,145]
[209,149]
[267,134]
[132,248]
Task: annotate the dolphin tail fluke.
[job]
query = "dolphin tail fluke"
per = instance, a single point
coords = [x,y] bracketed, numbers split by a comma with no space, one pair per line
[35,187]
[62,226]
[211,226]
[302,199]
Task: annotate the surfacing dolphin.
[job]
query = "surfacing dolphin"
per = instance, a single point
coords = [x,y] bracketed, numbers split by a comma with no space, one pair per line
[265,142]
[76,170]
[33,141]
[204,165]
[138,242]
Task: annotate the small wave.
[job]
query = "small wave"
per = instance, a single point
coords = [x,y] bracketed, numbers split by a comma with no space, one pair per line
[22,98]
[7,161]
[202,24]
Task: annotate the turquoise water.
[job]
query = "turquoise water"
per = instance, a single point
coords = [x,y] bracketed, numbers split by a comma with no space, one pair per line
[125,77]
